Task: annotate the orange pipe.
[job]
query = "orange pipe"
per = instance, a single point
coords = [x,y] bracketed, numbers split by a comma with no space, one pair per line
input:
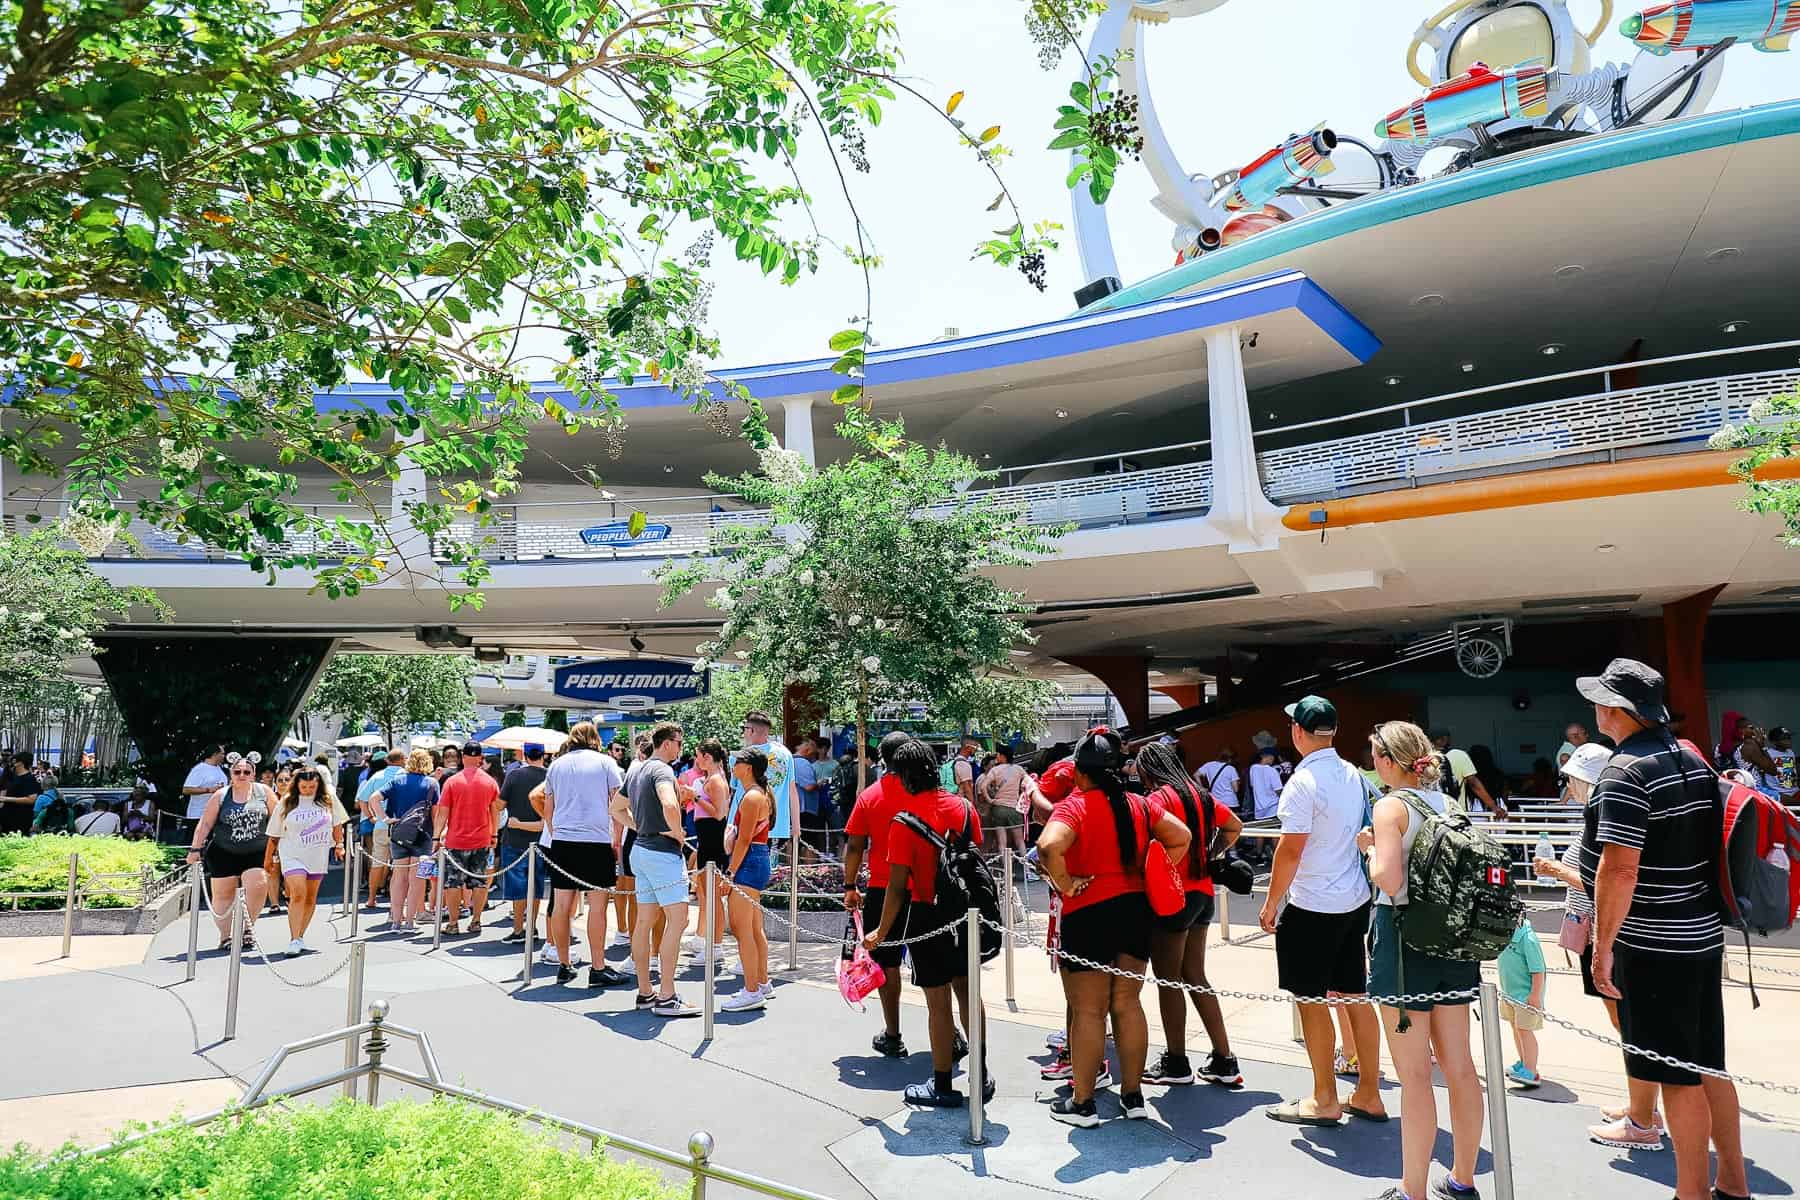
[1666,474]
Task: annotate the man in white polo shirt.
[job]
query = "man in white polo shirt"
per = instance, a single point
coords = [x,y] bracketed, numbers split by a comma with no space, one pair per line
[1319,938]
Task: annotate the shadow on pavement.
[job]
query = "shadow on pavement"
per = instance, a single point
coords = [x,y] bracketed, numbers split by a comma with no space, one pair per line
[1659,1167]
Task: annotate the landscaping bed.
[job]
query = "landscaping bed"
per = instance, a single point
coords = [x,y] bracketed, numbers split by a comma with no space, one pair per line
[110,877]
[439,1150]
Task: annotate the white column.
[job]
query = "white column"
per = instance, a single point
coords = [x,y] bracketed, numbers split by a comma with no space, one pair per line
[796,427]
[1239,507]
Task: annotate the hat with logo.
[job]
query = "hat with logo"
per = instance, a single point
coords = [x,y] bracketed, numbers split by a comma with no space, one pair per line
[1628,684]
[472,747]
[1315,714]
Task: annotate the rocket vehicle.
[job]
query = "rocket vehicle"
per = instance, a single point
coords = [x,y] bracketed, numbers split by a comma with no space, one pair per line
[1301,157]
[1475,97]
[1700,24]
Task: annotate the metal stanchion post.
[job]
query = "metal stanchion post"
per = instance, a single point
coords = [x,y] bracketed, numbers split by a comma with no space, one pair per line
[353,1009]
[977,1032]
[700,1149]
[794,896]
[437,926]
[1499,1134]
[196,902]
[530,906]
[353,886]
[710,933]
[1299,1031]
[1224,894]
[1006,908]
[69,904]
[237,962]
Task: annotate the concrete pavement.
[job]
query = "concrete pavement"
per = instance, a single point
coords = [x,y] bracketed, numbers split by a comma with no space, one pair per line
[795,1093]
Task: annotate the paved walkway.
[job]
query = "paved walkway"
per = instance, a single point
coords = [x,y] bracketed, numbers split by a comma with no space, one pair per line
[794,1093]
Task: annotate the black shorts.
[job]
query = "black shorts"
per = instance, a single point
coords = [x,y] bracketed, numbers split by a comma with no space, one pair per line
[939,960]
[1673,1004]
[709,839]
[889,957]
[581,866]
[1107,931]
[1587,973]
[814,828]
[228,864]
[1197,910]
[1317,954]
[625,854]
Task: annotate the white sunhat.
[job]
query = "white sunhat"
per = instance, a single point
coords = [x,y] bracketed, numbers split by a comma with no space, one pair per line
[1589,759]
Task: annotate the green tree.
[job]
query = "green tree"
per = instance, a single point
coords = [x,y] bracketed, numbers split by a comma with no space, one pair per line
[397,691]
[1772,434]
[867,581]
[212,208]
[999,705]
[720,713]
[51,605]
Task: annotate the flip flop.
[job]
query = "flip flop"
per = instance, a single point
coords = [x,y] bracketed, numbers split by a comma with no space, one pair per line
[1288,1113]
[1363,1114]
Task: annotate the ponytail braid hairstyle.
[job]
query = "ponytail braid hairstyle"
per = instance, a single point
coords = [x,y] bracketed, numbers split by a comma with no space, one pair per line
[1158,767]
[1101,757]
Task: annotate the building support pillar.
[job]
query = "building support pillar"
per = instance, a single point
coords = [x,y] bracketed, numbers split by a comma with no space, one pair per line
[1684,662]
[1239,509]
[1126,676]
[796,427]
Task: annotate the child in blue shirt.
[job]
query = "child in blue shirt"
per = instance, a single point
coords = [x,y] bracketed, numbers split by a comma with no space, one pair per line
[1522,977]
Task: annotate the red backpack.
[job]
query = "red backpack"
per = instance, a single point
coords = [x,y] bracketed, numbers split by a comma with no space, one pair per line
[1759,862]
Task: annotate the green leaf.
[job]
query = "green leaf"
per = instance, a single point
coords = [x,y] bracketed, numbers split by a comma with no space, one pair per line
[635,526]
[849,393]
[448,260]
[1068,140]
[1080,93]
[843,339]
[1078,172]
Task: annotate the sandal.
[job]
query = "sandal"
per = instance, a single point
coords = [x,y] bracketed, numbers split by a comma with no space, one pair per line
[1367,1114]
[1344,1064]
[926,1095]
[1288,1113]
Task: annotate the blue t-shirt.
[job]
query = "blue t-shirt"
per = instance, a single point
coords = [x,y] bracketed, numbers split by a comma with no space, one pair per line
[406,792]
[804,779]
[781,786]
[1522,958]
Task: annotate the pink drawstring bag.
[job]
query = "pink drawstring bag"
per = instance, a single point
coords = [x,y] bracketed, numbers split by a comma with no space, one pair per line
[858,974]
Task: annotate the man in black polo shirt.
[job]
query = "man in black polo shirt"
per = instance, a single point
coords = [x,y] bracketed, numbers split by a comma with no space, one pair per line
[1648,857]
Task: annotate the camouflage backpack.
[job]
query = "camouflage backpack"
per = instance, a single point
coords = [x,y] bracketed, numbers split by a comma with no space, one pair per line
[1461,904]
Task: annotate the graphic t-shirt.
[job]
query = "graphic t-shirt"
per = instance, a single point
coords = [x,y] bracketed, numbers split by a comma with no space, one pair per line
[1785,780]
[1096,852]
[468,799]
[872,817]
[946,813]
[780,789]
[305,833]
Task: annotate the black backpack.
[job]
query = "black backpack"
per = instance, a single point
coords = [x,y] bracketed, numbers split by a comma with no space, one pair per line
[963,881]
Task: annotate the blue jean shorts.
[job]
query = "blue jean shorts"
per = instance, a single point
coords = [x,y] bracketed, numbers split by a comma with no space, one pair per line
[756,869]
[513,883]
[661,876]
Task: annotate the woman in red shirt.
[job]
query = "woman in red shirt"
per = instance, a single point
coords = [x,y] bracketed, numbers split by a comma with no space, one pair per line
[1092,849]
[1178,941]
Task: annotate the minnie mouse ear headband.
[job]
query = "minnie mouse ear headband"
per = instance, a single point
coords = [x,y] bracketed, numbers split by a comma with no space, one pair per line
[1100,750]
[254,757]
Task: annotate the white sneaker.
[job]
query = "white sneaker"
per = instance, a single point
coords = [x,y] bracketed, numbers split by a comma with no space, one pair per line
[767,990]
[742,1001]
[296,948]
[621,939]
[692,944]
[547,955]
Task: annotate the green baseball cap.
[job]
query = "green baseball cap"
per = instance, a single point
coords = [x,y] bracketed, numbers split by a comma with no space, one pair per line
[1315,714]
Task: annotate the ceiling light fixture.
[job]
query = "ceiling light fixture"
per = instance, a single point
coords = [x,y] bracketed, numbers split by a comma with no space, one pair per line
[1550,349]
[1468,368]
[1723,253]
[1062,414]
[1568,271]
[668,468]
[1392,381]
[1606,547]
[637,643]
[1430,300]
[1733,326]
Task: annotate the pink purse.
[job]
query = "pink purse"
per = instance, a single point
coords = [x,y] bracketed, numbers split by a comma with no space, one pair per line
[1576,930]
[858,974]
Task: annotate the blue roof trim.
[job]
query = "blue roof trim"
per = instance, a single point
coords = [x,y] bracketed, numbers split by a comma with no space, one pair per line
[1584,156]
[1233,303]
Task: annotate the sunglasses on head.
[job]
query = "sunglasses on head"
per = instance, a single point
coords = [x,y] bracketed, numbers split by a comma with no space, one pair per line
[300,776]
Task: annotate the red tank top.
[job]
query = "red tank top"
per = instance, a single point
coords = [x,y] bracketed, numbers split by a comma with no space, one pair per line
[761,835]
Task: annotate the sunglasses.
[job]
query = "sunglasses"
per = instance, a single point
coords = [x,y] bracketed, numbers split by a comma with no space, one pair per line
[243,771]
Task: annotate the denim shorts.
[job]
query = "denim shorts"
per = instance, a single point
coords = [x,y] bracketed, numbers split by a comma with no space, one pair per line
[661,876]
[754,872]
[512,884]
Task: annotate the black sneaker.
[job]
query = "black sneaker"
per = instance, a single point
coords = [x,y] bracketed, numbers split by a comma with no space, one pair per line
[517,935]
[644,1001]
[1443,1189]
[1170,1069]
[1222,1069]
[960,1050]
[987,1088]
[604,977]
[1132,1103]
[564,973]
[1082,1115]
[892,1045]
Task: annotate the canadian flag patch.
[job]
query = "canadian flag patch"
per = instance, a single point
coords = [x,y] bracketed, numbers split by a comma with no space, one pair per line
[1497,876]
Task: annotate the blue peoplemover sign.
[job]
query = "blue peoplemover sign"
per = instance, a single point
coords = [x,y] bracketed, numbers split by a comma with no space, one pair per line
[619,534]
[632,684]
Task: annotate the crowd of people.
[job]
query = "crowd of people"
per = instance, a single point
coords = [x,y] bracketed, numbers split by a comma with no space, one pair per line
[623,831]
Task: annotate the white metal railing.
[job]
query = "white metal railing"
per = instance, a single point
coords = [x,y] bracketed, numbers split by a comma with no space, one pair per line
[1599,422]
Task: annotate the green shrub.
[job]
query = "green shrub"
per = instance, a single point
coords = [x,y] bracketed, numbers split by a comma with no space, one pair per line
[442,1150]
[41,864]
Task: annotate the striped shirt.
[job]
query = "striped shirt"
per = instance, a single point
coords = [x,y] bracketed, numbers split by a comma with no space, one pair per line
[1661,801]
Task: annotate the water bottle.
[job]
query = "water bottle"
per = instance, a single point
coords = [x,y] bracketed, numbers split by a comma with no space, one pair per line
[1544,849]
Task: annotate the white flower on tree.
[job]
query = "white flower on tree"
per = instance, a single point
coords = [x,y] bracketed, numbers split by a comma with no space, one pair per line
[806,577]
[872,664]
[724,599]
[784,468]
[855,620]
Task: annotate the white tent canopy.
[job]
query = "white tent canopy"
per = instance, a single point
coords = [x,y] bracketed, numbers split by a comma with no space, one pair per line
[514,737]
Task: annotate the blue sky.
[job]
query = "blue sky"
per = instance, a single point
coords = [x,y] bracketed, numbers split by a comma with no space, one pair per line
[1227,85]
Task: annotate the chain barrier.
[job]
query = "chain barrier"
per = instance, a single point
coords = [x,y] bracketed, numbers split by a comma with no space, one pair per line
[275,971]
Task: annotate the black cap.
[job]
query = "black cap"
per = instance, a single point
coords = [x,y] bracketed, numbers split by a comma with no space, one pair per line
[1628,684]
[472,747]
